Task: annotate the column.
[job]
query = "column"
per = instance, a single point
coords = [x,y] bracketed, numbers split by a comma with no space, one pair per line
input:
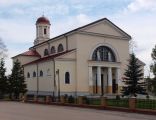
[117,77]
[110,80]
[91,79]
[105,81]
[99,79]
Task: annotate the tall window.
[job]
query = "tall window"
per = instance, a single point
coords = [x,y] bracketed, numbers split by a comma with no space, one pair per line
[28,75]
[45,31]
[41,73]
[46,52]
[60,48]
[67,78]
[34,74]
[53,50]
[103,53]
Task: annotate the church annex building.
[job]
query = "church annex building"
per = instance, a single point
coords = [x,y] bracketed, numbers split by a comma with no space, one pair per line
[89,60]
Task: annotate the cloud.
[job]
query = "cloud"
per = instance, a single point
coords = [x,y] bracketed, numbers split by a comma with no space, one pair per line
[6,3]
[20,9]
[13,32]
[140,27]
[69,23]
[139,5]
[51,10]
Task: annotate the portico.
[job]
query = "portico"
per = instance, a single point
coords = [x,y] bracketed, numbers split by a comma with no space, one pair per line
[104,71]
[104,78]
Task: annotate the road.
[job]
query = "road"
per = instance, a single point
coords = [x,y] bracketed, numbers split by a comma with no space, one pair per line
[25,111]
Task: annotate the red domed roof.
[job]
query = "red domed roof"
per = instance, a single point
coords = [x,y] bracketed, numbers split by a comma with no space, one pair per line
[43,20]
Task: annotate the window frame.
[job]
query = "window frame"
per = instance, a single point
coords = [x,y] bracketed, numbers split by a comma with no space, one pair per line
[28,75]
[53,50]
[45,31]
[46,52]
[103,53]
[34,74]
[41,73]
[60,48]
[67,79]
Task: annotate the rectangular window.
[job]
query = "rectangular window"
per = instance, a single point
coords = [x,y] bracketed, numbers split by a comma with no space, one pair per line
[45,31]
[67,78]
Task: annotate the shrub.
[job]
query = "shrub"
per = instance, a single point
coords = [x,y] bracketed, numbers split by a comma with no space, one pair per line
[85,100]
[117,97]
[66,97]
[147,96]
[71,99]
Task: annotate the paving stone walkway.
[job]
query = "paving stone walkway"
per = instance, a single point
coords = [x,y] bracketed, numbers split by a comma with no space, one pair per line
[26,111]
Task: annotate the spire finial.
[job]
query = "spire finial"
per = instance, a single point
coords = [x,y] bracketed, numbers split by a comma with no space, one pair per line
[43,14]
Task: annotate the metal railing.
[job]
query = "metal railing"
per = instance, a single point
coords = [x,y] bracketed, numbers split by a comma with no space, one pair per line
[30,97]
[146,104]
[118,102]
[92,101]
[149,104]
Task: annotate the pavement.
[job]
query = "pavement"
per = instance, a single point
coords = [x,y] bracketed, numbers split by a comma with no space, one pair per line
[27,111]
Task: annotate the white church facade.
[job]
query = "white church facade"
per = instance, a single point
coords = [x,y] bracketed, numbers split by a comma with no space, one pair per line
[89,60]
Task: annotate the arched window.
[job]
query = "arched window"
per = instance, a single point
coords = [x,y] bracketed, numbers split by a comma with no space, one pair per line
[28,75]
[46,52]
[60,48]
[67,78]
[103,53]
[34,74]
[45,31]
[53,50]
[41,73]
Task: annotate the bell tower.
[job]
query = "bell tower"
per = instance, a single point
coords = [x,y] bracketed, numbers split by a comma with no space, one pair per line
[42,30]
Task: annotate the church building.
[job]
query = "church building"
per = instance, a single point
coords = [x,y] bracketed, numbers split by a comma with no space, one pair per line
[89,60]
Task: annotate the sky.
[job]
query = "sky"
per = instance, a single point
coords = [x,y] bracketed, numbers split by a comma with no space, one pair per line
[18,17]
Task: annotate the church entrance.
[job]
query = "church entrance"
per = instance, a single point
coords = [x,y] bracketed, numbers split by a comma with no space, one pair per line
[104,80]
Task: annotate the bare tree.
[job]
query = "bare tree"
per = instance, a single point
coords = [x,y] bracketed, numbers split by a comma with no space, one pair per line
[132,46]
[3,49]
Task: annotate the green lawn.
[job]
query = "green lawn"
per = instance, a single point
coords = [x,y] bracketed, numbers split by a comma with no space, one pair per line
[118,103]
[141,104]
[94,101]
[146,104]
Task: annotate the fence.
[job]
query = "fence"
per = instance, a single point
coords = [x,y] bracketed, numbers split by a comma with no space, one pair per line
[131,103]
[118,102]
[146,104]
[92,101]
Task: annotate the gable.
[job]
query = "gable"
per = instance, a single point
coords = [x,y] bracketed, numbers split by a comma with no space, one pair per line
[24,59]
[106,27]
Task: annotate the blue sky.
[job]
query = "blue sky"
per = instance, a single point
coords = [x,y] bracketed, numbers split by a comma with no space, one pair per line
[18,17]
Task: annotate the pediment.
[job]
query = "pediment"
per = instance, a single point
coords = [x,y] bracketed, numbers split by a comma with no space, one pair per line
[105,27]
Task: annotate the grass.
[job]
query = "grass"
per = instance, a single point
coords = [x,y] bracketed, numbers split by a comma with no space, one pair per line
[94,101]
[118,103]
[140,103]
[110,102]
[146,104]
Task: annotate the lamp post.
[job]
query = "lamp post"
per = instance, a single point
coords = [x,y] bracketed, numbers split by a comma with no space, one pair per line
[57,72]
